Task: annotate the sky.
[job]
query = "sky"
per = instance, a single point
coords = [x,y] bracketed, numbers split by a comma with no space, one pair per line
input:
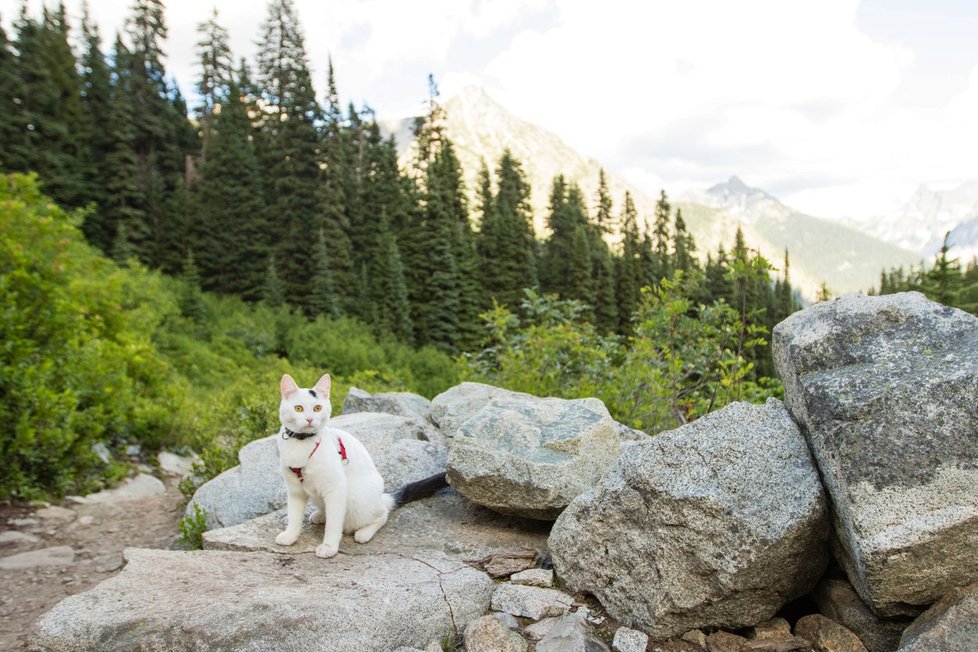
[839,108]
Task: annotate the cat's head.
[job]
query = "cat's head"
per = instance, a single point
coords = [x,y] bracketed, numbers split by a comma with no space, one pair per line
[304,410]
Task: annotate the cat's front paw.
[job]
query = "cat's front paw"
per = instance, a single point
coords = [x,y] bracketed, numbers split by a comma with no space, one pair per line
[286,538]
[317,518]
[326,550]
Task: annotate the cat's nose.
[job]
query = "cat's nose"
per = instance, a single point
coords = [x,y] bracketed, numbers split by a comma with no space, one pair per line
[309,420]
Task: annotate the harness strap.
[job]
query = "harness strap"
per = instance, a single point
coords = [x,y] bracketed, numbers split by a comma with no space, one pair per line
[343,458]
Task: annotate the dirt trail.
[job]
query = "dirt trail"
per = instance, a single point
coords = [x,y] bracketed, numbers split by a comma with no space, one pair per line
[74,546]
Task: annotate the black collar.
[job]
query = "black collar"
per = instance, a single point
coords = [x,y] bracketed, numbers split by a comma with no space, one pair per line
[291,434]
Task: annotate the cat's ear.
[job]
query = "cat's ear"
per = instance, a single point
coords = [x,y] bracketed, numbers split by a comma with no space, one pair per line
[288,386]
[323,385]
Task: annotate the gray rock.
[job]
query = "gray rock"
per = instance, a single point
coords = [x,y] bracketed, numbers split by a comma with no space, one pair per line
[774,628]
[531,456]
[258,601]
[530,601]
[571,633]
[629,640]
[488,634]
[885,389]
[839,601]
[102,452]
[17,537]
[508,620]
[536,631]
[718,523]
[534,577]
[828,635]
[55,513]
[950,625]
[445,522]
[55,556]
[377,431]
[255,487]
[175,465]
[454,406]
[134,488]
[402,404]
[410,460]
[252,488]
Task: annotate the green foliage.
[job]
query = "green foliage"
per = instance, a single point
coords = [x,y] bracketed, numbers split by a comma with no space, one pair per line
[682,360]
[192,529]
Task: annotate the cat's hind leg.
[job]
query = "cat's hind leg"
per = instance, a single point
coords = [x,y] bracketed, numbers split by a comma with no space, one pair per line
[367,532]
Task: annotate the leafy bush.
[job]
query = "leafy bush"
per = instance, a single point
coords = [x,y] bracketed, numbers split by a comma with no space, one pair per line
[682,361]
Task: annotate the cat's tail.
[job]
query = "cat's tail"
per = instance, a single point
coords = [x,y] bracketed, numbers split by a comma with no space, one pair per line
[417,490]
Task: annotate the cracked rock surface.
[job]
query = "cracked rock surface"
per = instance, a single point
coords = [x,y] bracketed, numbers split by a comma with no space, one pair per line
[285,603]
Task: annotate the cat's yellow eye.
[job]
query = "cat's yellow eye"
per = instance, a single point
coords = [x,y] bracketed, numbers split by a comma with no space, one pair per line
[298,408]
[318,408]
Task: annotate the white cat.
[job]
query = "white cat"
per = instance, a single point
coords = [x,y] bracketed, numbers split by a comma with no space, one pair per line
[331,467]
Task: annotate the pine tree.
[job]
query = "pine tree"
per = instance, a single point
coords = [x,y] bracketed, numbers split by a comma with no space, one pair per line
[943,282]
[214,57]
[322,295]
[123,202]
[338,197]
[96,98]
[388,290]
[288,141]
[629,266]
[273,292]
[661,264]
[506,247]
[683,247]
[233,236]
[14,147]
[192,305]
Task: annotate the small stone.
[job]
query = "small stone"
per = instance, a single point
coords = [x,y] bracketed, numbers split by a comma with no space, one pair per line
[789,644]
[726,642]
[571,633]
[15,536]
[773,628]
[103,452]
[134,450]
[55,556]
[508,620]
[86,520]
[534,577]
[530,601]
[56,513]
[695,636]
[175,465]
[487,634]
[538,630]
[504,564]
[138,487]
[109,563]
[24,522]
[629,640]
[827,635]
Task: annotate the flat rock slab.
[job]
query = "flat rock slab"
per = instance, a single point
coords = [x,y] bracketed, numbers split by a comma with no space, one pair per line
[252,602]
[446,521]
[140,486]
[55,556]
[887,391]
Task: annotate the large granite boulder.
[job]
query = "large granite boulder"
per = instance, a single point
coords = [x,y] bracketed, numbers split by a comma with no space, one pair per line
[256,487]
[242,602]
[414,407]
[950,625]
[886,389]
[454,406]
[531,456]
[716,524]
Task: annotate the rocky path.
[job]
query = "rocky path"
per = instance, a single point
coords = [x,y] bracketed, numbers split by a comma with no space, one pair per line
[48,553]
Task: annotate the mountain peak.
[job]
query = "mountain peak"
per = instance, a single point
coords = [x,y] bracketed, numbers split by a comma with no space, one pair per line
[733,187]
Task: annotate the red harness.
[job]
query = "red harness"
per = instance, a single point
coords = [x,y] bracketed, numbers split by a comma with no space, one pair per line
[298,469]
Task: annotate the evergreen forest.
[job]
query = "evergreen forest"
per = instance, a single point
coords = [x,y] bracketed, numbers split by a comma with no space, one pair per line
[163,263]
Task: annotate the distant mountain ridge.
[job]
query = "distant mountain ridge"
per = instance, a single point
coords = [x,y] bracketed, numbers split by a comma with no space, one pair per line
[928,215]
[820,250]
